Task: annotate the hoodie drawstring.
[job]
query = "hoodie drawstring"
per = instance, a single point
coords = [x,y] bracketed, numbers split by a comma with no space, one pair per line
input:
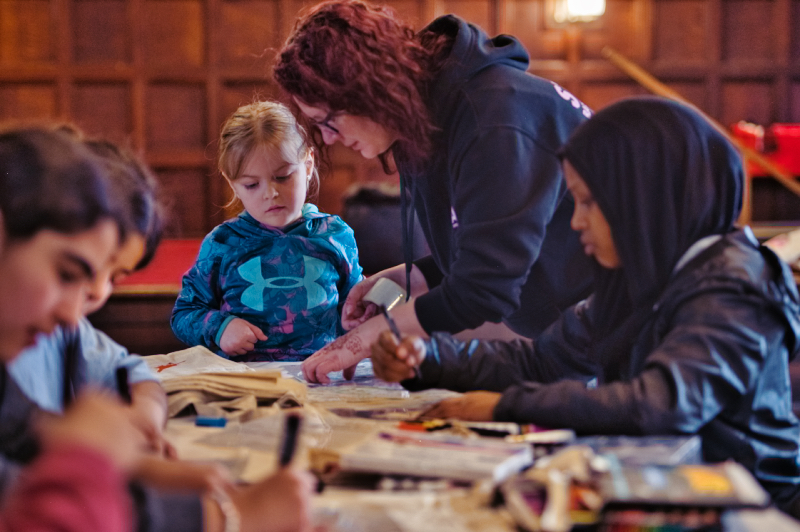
[407,221]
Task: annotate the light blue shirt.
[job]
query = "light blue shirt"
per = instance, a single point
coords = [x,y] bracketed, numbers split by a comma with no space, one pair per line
[39,370]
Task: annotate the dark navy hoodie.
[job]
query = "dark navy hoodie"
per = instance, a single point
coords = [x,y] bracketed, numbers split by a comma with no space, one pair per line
[491,198]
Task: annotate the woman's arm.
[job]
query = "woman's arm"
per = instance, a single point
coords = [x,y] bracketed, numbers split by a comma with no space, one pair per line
[69,488]
[560,353]
[712,355]
[356,311]
[77,482]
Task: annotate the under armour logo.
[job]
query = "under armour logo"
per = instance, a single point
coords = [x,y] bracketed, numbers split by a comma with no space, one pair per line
[253,296]
[453,218]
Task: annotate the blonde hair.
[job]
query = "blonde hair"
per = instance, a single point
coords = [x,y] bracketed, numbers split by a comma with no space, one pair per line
[260,125]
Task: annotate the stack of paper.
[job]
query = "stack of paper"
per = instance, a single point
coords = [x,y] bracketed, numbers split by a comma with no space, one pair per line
[428,455]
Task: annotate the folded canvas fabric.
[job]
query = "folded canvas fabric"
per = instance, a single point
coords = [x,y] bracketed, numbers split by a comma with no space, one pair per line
[218,387]
[191,361]
[234,393]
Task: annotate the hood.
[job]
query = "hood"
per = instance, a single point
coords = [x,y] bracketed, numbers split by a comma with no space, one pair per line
[247,226]
[475,50]
[664,178]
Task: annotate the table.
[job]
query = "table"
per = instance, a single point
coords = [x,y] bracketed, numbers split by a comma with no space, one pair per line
[248,449]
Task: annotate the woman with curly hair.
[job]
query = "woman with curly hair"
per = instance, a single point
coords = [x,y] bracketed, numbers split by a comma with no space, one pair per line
[474,138]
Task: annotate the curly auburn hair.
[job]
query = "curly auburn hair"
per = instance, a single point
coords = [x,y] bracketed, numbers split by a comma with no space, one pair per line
[350,56]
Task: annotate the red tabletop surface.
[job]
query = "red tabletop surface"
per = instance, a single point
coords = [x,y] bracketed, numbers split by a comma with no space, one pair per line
[164,273]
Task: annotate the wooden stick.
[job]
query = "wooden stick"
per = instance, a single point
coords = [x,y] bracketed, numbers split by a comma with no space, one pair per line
[656,87]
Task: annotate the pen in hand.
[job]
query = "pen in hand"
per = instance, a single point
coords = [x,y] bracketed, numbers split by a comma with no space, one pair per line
[122,385]
[291,434]
[392,324]
[396,332]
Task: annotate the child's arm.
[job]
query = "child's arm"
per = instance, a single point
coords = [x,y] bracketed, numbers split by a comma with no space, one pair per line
[100,357]
[149,404]
[181,475]
[196,317]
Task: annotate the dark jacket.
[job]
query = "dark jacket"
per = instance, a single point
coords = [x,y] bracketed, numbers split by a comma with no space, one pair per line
[712,360]
[692,328]
[491,199]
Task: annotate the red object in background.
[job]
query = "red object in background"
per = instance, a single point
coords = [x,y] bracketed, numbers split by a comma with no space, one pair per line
[778,142]
[173,258]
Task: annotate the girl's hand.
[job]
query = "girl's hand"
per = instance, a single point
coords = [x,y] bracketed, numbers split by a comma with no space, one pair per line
[472,406]
[355,310]
[395,362]
[240,337]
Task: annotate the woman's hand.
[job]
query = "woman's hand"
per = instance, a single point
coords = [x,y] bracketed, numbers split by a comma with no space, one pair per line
[348,350]
[472,406]
[355,310]
[395,361]
[240,337]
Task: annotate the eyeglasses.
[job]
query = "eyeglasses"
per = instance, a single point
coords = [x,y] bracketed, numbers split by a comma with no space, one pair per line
[326,122]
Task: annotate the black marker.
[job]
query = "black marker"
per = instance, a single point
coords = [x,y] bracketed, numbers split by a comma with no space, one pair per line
[291,434]
[396,333]
[122,385]
[392,324]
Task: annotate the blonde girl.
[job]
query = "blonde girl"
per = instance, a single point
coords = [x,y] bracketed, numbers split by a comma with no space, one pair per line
[270,283]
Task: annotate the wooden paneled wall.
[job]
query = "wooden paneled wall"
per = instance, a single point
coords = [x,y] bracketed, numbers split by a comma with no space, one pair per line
[162,75]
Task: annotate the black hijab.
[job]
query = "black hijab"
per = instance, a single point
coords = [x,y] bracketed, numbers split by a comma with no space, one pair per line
[664,178]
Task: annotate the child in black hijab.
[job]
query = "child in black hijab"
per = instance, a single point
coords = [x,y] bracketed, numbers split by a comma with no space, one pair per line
[692,323]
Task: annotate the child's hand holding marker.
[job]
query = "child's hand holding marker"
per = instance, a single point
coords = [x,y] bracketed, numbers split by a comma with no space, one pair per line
[395,358]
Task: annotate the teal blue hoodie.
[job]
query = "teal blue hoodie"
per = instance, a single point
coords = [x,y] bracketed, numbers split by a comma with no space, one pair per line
[290,282]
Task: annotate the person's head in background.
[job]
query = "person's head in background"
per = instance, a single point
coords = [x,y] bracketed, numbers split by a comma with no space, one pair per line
[266,159]
[358,73]
[650,178]
[59,226]
[136,190]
